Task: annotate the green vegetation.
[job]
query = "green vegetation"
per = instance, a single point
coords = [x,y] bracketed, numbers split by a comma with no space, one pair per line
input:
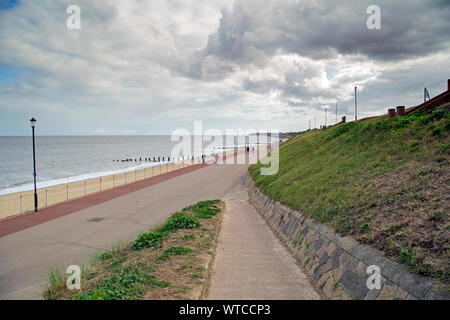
[181,220]
[204,209]
[174,251]
[382,181]
[145,267]
[125,284]
[152,239]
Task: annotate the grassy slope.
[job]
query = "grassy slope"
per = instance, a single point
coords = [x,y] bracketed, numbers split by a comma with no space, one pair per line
[383,181]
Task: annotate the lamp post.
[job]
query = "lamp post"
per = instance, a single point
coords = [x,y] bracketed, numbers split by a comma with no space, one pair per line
[33,125]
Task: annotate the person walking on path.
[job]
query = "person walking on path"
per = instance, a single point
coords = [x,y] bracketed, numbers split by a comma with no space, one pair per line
[217,157]
[203,158]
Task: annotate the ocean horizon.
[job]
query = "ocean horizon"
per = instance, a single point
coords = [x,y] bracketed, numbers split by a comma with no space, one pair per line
[65,159]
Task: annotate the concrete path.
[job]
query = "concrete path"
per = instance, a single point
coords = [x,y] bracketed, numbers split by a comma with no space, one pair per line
[25,256]
[250,262]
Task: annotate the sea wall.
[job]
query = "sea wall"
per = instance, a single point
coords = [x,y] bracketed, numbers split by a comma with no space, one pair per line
[338,266]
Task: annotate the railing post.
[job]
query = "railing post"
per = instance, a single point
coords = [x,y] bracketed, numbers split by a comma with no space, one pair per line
[85,189]
[46,198]
[21,203]
[114,185]
[100,184]
[67,191]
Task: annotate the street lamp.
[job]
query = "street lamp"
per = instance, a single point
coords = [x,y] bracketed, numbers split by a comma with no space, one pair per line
[33,125]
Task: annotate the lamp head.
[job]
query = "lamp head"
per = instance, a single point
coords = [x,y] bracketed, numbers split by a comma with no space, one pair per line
[33,122]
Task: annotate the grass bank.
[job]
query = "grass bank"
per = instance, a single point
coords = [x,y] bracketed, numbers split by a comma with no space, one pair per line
[383,181]
[168,262]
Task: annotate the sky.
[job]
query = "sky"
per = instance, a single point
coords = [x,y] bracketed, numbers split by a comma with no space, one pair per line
[152,66]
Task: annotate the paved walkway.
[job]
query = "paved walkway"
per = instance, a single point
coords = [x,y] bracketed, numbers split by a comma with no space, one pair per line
[26,255]
[25,221]
[250,262]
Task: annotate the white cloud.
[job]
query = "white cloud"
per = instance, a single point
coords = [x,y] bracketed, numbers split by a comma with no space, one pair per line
[153,66]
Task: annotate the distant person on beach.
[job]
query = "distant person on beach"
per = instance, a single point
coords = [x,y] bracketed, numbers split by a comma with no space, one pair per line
[253,149]
[217,158]
[248,149]
[203,158]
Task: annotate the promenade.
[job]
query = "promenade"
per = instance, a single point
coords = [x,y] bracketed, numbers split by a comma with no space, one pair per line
[96,225]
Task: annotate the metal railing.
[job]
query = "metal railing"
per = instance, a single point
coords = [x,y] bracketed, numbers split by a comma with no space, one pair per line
[22,202]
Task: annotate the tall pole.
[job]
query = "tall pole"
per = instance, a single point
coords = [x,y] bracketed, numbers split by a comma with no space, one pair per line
[326,117]
[315,122]
[336,112]
[356,108]
[34,172]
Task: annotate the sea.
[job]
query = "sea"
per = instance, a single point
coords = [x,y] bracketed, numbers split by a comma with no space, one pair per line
[64,159]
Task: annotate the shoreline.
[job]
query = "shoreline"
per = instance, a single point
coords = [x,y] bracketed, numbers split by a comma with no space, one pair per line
[137,165]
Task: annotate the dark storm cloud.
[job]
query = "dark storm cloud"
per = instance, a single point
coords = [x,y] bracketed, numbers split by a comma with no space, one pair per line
[256,29]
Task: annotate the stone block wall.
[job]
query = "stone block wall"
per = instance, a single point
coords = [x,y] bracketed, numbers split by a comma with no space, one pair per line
[338,265]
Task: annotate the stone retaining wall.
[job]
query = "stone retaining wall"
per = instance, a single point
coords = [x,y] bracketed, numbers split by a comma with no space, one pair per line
[338,265]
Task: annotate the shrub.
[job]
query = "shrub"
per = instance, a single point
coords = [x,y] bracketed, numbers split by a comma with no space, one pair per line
[149,240]
[204,209]
[181,220]
[364,227]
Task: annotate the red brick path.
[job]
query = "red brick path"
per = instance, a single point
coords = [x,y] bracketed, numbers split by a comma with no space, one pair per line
[28,220]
